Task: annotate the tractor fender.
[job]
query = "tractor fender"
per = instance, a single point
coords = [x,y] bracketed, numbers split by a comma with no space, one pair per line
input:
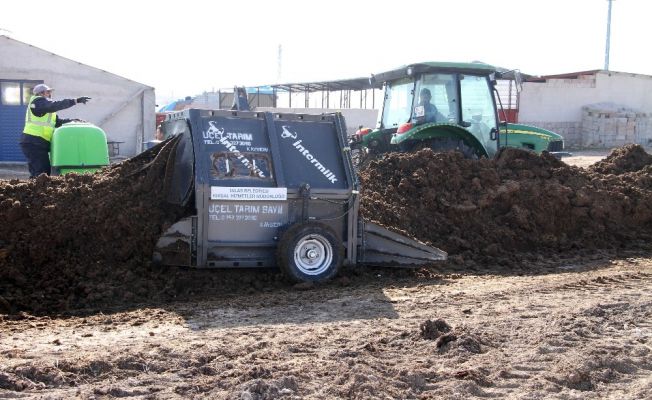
[378,141]
[438,130]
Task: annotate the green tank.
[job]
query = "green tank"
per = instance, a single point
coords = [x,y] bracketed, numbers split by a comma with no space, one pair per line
[79,148]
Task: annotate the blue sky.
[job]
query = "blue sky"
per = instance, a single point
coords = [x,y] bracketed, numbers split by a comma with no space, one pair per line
[186,47]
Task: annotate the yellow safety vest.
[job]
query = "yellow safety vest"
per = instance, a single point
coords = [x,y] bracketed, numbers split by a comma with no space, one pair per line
[42,127]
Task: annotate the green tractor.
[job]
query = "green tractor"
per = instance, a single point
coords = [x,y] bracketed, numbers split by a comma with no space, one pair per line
[446,106]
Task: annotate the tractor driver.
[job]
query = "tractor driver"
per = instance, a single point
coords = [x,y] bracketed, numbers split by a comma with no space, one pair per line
[430,112]
[40,121]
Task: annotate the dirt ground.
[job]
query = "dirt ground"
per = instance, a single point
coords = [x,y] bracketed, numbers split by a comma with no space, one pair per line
[585,158]
[568,318]
[576,329]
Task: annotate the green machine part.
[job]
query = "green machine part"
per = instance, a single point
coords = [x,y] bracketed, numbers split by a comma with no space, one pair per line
[464,96]
[79,148]
[531,137]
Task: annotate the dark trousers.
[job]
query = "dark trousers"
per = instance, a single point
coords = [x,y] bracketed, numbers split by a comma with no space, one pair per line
[37,152]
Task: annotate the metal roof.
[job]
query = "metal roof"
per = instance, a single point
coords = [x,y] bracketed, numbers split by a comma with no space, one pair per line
[579,74]
[568,75]
[342,84]
[376,80]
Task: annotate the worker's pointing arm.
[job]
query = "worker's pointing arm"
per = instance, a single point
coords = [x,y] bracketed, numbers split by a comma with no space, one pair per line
[42,106]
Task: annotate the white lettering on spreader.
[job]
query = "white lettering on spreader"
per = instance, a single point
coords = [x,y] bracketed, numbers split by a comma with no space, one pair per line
[248,193]
[309,156]
[214,132]
[222,137]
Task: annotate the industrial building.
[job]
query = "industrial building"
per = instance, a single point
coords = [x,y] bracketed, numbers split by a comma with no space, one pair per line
[591,109]
[124,109]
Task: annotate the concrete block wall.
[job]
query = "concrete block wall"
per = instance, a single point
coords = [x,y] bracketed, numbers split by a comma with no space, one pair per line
[570,130]
[620,105]
[583,81]
[609,125]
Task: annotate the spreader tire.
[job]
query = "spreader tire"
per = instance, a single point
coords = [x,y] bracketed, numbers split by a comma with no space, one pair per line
[310,252]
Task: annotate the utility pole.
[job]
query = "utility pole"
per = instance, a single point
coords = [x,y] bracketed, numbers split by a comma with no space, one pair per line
[278,71]
[606,51]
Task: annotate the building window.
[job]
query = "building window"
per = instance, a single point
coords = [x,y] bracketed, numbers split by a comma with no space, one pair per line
[10,93]
[27,91]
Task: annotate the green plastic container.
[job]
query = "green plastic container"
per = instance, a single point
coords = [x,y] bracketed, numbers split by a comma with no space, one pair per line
[79,148]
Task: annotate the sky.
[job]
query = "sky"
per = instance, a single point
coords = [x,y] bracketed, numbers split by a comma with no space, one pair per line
[183,48]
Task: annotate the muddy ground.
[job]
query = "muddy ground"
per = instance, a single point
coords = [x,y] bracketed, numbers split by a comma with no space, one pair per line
[547,293]
[575,329]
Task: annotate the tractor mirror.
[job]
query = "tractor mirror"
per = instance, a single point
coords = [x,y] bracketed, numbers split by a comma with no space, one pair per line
[518,78]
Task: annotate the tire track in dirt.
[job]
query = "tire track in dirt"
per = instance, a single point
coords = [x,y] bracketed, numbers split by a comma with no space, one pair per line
[570,333]
[552,335]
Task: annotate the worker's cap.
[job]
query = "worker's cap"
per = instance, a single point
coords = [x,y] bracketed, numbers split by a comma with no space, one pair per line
[425,92]
[41,88]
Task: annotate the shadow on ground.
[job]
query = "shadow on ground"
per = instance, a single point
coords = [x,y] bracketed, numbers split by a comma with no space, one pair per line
[240,298]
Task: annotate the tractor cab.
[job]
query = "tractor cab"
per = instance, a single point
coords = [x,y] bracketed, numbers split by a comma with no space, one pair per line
[445,106]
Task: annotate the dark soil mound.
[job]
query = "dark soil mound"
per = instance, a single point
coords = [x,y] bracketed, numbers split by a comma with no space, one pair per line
[86,242]
[431,330]
[80,242]
[628,158]
[496,210]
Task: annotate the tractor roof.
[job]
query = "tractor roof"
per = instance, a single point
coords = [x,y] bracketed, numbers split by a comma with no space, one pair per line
[454,67]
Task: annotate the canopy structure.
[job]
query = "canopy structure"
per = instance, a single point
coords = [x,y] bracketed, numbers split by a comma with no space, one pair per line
[344,89]
[342,84]
[355,92]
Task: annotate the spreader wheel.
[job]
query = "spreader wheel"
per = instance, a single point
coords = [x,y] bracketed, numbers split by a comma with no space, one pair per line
[310,252]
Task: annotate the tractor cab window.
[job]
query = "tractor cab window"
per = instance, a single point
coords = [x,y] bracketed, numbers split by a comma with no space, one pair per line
[241,165]
[435,99]
[478,107]
[398,103]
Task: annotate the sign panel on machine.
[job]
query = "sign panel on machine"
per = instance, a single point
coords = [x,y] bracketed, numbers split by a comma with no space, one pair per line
[248,193]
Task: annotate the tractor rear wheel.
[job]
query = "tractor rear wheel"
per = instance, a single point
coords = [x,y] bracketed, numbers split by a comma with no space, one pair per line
[310,252]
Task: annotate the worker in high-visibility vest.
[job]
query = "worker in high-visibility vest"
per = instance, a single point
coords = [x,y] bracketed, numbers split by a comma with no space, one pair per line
[40,121]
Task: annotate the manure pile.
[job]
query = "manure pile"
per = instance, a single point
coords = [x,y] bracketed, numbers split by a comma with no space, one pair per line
[488,211]
[85,242]
[73,241]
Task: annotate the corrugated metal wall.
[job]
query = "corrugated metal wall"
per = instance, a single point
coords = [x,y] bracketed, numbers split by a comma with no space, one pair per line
[14,96]
[12,121]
